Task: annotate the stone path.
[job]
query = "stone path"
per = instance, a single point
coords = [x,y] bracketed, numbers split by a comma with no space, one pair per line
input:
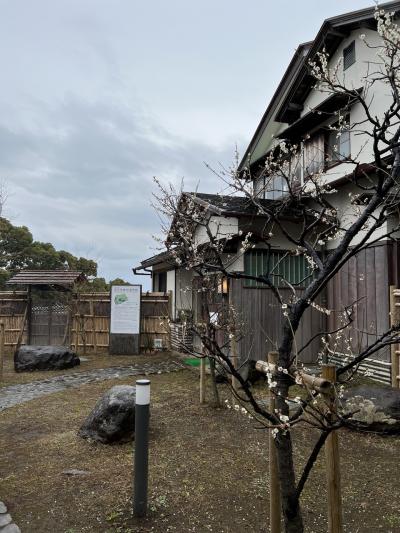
[17,394]
[6,523]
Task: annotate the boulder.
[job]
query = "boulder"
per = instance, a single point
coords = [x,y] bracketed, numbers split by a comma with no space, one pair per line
[113,417]
[29,358]
[375,409]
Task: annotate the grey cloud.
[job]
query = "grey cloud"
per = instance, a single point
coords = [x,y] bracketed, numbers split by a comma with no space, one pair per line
[82,178]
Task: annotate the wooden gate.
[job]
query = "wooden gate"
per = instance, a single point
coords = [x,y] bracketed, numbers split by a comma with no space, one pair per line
[49,323]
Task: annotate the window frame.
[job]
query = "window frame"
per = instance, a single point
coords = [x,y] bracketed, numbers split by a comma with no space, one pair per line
[349,49]
[329,161]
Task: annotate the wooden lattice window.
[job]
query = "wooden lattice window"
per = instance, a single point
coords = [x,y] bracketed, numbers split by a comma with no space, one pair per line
[278,264]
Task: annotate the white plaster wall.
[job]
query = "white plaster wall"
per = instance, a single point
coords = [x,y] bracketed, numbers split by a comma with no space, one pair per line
[347,214]
[220,228]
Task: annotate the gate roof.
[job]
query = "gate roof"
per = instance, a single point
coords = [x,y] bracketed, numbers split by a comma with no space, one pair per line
[64,278]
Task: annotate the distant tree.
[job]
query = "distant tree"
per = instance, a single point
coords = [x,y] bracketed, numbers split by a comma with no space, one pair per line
[118,281]
[18,251]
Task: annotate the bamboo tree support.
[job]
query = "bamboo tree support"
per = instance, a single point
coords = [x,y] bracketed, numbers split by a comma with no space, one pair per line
[275,493]
[2,343]
[335,520]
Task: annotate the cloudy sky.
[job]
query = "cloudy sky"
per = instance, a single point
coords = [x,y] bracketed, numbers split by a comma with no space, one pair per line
[99,96]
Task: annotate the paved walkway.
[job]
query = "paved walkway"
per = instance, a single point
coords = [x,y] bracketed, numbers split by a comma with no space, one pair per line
[17,394]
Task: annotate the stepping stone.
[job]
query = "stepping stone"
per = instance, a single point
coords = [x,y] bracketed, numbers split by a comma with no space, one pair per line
[75,472]
[3,508]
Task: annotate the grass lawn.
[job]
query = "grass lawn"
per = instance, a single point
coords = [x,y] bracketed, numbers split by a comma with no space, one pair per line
[208,468]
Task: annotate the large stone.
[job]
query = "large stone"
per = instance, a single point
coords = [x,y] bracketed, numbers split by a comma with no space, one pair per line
[11,528]
[4,520]
[113,417]
[375,409]
[29,358]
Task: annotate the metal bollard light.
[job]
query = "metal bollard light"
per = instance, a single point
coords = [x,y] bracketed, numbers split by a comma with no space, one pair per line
[142,414]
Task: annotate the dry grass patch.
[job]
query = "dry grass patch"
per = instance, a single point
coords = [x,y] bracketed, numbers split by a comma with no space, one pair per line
[208,469]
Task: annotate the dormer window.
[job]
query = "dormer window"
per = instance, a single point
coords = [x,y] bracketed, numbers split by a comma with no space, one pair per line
[349,55]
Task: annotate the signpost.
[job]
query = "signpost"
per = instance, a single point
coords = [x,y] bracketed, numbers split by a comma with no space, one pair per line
[125,319]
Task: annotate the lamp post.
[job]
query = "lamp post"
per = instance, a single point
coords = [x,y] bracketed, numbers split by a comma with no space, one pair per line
[142,414]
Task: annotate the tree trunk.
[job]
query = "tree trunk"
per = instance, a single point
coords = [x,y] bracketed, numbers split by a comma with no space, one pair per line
[290,503]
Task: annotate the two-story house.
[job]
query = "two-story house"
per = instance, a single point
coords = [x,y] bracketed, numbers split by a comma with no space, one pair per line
[305,115]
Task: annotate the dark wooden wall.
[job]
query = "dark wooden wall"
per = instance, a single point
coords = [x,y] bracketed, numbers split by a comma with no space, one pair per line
[365,279]
[262,316]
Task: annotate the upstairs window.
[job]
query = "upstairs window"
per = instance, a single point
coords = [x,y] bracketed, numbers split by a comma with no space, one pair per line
[314,155]
[349,55]
[337,146]
[270,188]
[275,187]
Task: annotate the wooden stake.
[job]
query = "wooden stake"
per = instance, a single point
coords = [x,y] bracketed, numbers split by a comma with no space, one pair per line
[2,340]
[335,520]
[202,380]
[275,491]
